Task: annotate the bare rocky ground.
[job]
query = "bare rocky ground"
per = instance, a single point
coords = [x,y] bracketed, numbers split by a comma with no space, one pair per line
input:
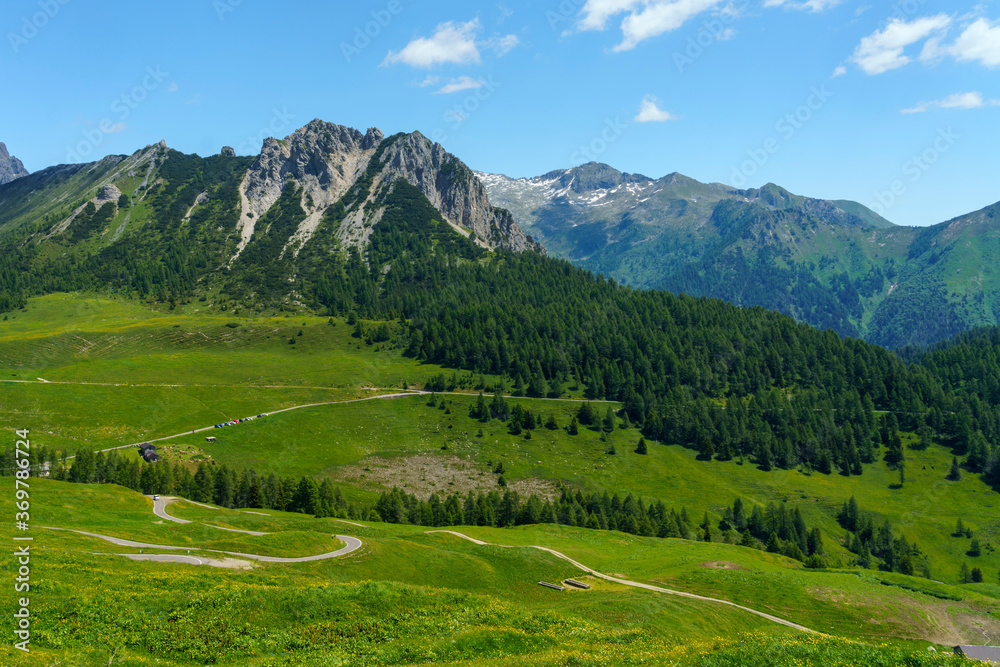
[424,474]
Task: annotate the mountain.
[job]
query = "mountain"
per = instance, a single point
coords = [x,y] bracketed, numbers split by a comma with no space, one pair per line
[260,229]
[10,167]
[832,264]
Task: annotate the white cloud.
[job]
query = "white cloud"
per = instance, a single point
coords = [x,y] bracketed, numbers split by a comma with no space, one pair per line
[980,41]
[451,43]
[502,45]
[644,19]
[429,81]
[597,12]
[973,100]
[657,18]
[807,5]
[840,70]
[114,129]
[172,88]
[650,112]
[461,83]
[883,50]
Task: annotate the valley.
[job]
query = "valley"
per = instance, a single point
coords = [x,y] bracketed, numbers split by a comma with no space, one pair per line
[444,416]
[347,441]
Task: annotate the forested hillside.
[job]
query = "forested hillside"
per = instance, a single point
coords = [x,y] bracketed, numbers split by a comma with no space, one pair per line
[731,382]
[832,264]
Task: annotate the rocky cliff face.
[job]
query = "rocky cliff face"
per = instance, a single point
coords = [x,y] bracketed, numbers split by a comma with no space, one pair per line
[10,167]
[330,161]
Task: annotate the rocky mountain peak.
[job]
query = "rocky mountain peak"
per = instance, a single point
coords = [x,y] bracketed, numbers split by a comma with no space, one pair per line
[328,160]
[593,176]
[227,151]
[10,167]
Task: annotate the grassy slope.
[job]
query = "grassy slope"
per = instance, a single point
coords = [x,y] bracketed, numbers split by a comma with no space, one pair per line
[323,439]
[444,596]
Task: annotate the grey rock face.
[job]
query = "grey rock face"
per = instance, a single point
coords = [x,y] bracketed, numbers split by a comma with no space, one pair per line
[328,160]
[227,151]
[10,167]
[107,193]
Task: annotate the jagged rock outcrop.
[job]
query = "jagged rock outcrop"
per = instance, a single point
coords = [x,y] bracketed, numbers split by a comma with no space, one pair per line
[453,189]
[227,151]
[10,167]
[328,160]
[109,192]
[323,158]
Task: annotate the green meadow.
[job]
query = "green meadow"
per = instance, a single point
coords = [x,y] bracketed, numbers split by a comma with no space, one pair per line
[86,371]
[413,597]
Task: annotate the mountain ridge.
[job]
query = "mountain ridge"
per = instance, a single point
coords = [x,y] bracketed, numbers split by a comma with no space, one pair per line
[10,167]
[830,263]
[165,222]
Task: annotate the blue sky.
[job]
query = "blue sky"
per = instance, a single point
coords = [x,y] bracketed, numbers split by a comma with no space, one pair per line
[893,104]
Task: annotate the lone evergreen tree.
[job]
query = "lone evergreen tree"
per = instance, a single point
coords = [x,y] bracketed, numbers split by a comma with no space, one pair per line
[975,550]
[641,448]
[609,420]
[956,473]
[574,427]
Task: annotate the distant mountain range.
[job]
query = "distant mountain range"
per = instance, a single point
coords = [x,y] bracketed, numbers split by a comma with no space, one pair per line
[833,264]
[278,228]
[10,166]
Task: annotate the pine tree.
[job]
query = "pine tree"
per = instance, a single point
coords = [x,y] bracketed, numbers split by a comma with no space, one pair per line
[975,550]
[739,515]
[573,427]
[641,448]
[609,420]
[956,473]
[706,450]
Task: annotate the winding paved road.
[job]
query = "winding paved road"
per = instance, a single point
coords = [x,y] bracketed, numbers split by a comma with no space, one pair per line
[636,584]
[350,544]
[160,509]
